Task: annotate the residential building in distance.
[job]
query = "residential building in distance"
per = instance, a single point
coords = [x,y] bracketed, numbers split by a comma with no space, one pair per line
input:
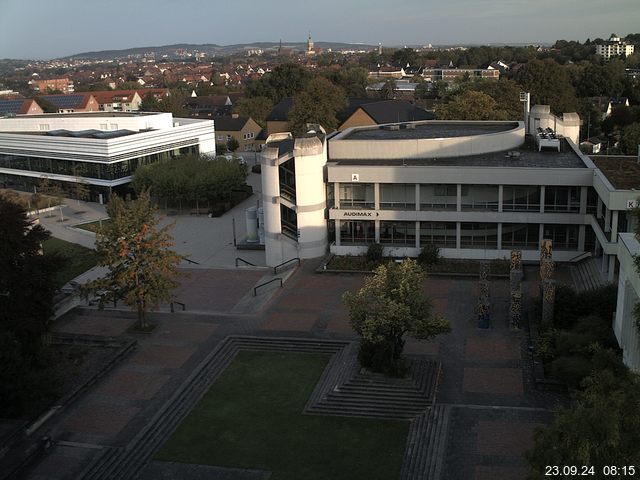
[118,100]
[278,118]
[102,149]
[614,47]
[244,129]
[63,85]
[208,106]
[364,112]
[19,106]
[71,103]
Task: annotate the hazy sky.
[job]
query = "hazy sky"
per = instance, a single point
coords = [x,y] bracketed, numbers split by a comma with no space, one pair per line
[44,29]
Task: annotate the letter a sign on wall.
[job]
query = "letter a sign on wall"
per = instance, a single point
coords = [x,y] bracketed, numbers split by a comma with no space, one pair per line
[355,177]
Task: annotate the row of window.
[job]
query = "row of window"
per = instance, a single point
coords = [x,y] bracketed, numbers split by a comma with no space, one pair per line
[102,171]
[473,197]
[472,235]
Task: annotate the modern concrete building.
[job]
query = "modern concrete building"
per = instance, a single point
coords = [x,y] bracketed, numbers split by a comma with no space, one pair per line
[625,324]
[103,149]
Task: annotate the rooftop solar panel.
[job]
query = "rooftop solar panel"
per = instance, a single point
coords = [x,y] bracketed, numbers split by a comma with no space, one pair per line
[10,106]
[65,101]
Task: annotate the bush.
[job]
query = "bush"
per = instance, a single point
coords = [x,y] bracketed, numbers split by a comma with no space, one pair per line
[429,255]
[374,252]
[571,370]
[571,306]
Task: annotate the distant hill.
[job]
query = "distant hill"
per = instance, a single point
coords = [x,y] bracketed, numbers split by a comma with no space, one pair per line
[210,49]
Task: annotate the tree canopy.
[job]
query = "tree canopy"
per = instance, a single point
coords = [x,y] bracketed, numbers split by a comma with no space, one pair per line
[471,105]
[142,267]
[319,103]
[255,107]
[549,84]
[390,305]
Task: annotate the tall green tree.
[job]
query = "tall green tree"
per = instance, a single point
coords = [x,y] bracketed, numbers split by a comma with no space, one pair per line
[549,84]
[255,107]
[389,89]
[390,305]
[630,139]
[143,269]
[471,105]
[320,103]
[601,429]
[352,79]
[149,103]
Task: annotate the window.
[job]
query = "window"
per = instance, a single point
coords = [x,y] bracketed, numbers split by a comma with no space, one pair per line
[44,127]
[103,126]
[520,235]
[228,137]
[520,198]
[479,235]
[289,222]
[357,232]
[287,173]
[440,234]
[356,195]
[397,196]
[398,233]
[221,138]
[562,199]
[114,126]
[438,197]
[480,197]
[564,237]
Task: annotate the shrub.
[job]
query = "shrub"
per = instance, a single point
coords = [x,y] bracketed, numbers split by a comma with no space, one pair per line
[374,252]
[571,370]
[571,306]
[429,255]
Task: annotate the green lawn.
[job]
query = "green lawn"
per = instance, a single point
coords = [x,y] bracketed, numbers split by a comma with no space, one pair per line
[92,226]
[76,259]
[252,418]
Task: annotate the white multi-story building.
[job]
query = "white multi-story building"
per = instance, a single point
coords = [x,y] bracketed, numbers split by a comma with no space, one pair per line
[614,47]
[103,149]
[474,189]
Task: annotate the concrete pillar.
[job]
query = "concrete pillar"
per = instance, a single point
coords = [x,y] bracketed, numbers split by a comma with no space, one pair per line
[458,231]
[500,197]
[418,235]
[336,194]
[542,194]
[417,197]
[583,200]
[607,220]
[376,196]
[540,234]
[338,233]
[614,226]
[581,237]
[459,198]
[599,208]
[612,268]
[500,235]
[377,223]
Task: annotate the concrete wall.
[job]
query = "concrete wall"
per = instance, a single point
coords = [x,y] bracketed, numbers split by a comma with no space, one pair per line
[343,147]
[624,326]
[567,126]
[55,121]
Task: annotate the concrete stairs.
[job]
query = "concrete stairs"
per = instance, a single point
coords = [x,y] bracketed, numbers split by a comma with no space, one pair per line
[426,445]
[127,462]
[586,275]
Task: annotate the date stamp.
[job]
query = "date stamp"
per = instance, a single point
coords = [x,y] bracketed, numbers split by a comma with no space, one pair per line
[607,471]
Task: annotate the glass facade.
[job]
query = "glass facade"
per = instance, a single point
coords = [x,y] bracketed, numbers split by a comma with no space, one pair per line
[523,236]
[439,197]
[95,170]
[398,233]
[397,196]
[520,198]
[356,195]
[564,237]
[287,175]
[562,199]
[480,197]
[289,222]
[479,235]
[440,234]
[357,232]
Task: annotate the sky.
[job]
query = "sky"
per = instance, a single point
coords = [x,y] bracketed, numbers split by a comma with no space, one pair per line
[45,29]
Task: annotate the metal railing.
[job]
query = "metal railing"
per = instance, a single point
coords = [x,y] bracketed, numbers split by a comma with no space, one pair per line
[190,261]
[581,256]
[238,259]
[255,289]
[184,307]
[275,269]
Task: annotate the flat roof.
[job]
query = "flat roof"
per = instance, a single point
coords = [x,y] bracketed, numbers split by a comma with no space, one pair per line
[87,114]
[529,157]
[623,172]
[433,129]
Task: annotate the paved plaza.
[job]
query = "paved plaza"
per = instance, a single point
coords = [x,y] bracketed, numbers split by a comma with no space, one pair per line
[485,386]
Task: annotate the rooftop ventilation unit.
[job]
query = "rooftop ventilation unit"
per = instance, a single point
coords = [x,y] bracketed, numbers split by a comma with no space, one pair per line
[410,126]
[392,127]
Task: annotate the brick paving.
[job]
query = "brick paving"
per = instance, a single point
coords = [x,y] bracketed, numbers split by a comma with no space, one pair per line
[479,368]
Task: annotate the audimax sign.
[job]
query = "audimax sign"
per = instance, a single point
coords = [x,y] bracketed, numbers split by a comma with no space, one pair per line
[359,214]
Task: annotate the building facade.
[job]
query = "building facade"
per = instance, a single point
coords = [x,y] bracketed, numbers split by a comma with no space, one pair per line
[101,149]
[614,47]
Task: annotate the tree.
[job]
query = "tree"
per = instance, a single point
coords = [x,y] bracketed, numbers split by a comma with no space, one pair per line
[390,305]
[142,267]
[471,105]
[389,89]
[404,57]
[26,283]
[549,84]
[149,103]
[81,187]
[630,139]
[353,80]
[233,144]
[174,103]
[255,107]
[319,103]
[601,429]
